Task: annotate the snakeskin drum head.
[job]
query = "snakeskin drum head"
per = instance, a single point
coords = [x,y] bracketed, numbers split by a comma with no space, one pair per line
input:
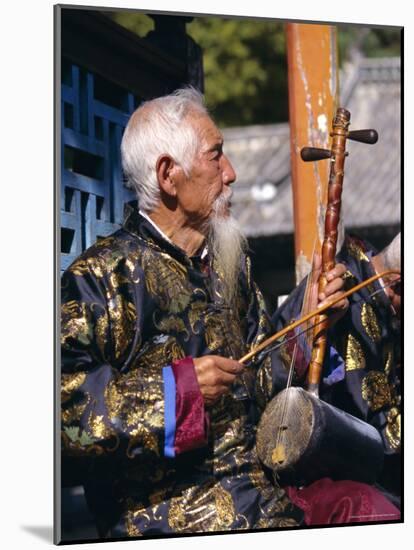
[285,429]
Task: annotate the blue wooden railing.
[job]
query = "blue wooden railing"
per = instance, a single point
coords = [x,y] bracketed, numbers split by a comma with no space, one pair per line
[94,116]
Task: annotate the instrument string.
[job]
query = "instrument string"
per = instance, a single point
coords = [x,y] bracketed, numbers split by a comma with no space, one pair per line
[305,307]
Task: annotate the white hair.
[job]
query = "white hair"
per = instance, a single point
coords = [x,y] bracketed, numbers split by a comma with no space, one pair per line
[391,255]
[157,127]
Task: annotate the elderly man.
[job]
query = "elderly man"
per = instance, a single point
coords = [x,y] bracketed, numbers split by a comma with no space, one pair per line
[154,402]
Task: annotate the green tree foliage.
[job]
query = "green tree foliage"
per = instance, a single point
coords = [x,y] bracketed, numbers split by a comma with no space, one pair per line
[245,69]
[138,23]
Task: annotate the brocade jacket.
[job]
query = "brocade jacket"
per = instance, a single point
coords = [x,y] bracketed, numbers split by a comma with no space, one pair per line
[135,310]
[362,367]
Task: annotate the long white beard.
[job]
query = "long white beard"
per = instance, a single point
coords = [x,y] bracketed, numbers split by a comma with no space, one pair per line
[226,243]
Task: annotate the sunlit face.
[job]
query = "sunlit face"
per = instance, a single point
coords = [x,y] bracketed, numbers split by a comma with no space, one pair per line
[210,177]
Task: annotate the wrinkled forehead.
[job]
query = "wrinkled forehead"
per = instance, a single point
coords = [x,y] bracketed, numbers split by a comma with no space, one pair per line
[210,135]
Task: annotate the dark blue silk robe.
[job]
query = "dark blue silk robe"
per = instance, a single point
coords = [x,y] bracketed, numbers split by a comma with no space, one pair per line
[131,305]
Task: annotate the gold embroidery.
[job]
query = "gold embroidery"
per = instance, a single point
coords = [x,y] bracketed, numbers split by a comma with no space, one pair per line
[105,242]
[113,400]
[73,413]
[348,275]
[224,506]
[138,406]
[202,509]
[222,334]
[131,528]
[101,332]
[97,426]
[257,479]
[75,323]
[159,352]
[123,318]
[176,516]
[244,523]
[79,267]
[263,324]
[131,264]
[106,262]
[370,322]
[171,323]
[196,315]
[100,264]
[166,280]
[213,333]
[70,383]
[264,383]
[284,522]
[349,280]
[388,358]
[376,390]
[355,358]
[141,437]
[393,429]
[356,251]
[276,501]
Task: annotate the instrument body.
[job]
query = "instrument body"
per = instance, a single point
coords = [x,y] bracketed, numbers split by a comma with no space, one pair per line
[315,439]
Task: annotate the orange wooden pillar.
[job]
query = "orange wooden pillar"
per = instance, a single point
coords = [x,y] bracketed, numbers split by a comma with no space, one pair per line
[313,93]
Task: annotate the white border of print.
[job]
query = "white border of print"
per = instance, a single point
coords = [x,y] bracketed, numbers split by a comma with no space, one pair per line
[27,277]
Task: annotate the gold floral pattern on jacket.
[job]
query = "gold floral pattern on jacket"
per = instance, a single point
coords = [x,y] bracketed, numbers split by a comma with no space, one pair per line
[202,509]
[393,428]
[370,322]
[354,358]
[376,390]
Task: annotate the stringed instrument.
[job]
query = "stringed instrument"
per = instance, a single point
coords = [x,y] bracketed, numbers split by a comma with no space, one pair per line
[300,437]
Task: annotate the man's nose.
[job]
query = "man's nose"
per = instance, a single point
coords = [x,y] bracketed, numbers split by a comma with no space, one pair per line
[229,175]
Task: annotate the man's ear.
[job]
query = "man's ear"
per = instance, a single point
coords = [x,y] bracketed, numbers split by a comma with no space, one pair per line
[166,169]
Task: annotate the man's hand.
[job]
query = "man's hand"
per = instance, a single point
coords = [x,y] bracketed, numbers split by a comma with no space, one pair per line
[332,291]
[215,376]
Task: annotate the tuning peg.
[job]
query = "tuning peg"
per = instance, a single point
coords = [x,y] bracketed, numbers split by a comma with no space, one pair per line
[314,153]
[363,136]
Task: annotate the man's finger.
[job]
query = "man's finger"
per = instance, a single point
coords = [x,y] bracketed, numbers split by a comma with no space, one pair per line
[228,365]
[331,288]
[222,377]
[338,271]
[342,304]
